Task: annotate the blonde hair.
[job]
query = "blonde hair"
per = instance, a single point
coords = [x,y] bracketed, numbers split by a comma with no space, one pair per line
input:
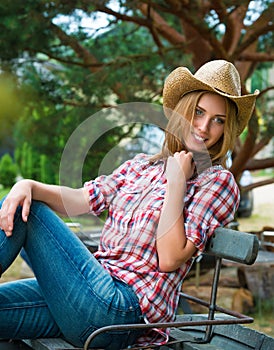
[180,123]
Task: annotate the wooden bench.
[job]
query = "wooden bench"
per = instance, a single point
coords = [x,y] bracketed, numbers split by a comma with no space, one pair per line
[227,244]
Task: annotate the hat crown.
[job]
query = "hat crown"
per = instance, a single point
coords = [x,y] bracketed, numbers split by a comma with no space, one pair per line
[221,75]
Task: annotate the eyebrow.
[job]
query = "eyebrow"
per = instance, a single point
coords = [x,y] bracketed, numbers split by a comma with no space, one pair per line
[216,115]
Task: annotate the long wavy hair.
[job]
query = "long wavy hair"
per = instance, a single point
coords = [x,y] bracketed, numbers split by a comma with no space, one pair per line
[180,123]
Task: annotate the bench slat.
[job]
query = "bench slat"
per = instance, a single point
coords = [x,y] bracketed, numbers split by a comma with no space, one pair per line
[48,344]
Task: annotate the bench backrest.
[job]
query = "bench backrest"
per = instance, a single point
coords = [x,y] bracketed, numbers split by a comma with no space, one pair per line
[233,245]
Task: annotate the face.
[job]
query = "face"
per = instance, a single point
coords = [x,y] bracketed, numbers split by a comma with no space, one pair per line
[208,122]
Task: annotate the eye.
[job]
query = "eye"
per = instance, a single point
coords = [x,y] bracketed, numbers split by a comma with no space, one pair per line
[219,120]
[198,111]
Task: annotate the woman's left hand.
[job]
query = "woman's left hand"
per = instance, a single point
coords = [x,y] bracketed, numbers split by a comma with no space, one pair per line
[173,247]
[180,167]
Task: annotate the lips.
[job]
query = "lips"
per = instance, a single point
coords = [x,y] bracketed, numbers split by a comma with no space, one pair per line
[199,138]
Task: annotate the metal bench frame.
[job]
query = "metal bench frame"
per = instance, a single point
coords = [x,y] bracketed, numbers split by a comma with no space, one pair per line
[240,247]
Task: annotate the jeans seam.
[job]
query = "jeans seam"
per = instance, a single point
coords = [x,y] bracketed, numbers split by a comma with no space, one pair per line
[24,307]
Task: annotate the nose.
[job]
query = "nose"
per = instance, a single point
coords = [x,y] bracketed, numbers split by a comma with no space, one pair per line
[204,124]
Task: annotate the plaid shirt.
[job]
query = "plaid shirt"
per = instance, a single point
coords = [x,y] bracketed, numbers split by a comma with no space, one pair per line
[133,195]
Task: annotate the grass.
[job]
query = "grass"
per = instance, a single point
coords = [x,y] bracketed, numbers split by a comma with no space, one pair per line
[263,316]
[259,219]
[3,192]
[262,216]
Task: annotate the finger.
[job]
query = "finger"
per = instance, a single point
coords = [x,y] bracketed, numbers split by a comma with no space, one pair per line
[25,210]
[4,226]
[187,155]
[178,156]
[190,154]
[8,233]
[10,222]
[9,218]
[4,218]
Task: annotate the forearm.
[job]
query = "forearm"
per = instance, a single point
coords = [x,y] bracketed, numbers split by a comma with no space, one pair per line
[172,245]
[64,200]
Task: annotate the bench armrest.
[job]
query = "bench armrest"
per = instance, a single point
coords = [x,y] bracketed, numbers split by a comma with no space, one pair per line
[233,245]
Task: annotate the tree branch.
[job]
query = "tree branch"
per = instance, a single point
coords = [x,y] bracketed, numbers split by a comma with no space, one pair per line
[241,158]
[65,61]
[139,20]
[197,28]
[206,33]
[258,164]
[220,9]
[153,30]
[88,59]
[260,27]
[261,144]
[118,62]
[162,26]
[256,57]
[233,22]
[257,184]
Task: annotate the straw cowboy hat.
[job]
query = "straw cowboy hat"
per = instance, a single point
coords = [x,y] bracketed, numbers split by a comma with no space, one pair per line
[217,76]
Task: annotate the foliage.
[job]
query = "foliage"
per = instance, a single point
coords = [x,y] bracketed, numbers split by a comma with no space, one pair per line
[4,191]
[8,171]
[10,110]
[72,59]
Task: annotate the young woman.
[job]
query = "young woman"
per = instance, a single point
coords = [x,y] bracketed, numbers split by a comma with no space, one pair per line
[161,211]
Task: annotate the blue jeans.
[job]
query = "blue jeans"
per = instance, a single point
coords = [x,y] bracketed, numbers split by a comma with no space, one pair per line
[71,295]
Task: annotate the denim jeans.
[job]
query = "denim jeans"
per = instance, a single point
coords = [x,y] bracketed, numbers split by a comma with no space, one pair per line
[71,295]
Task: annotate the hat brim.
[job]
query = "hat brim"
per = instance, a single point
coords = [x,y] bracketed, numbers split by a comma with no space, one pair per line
[181,81]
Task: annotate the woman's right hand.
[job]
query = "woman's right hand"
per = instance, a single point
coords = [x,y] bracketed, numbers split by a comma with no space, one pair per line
[20,194]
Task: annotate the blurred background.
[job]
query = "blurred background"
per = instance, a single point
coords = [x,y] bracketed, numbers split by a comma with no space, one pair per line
[62,62]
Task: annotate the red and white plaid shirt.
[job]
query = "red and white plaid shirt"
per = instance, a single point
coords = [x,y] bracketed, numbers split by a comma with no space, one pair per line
[133,195]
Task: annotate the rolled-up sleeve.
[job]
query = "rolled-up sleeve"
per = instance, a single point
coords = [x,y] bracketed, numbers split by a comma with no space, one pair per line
[103,189]
[213,203]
